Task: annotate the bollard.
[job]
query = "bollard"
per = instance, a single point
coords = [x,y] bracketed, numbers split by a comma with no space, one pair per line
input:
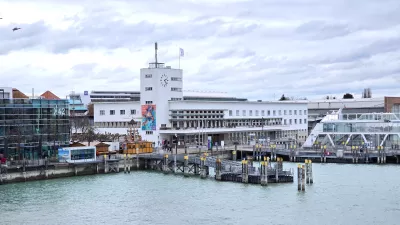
[299,187]
[175,168]
[186,165]
[129,163]
[105,164]
[264,172]
[303,178]
[310,177]
[218,169]
[300,177]
[245,171]
[165,163]
[137,159]
[97,168]
[125,168]
[203,171]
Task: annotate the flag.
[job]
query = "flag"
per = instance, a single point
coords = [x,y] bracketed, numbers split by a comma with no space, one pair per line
[181,52]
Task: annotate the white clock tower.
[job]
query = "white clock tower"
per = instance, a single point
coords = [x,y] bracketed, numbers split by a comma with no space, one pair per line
[159,84]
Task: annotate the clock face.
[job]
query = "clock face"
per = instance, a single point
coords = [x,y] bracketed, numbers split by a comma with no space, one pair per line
[164,80]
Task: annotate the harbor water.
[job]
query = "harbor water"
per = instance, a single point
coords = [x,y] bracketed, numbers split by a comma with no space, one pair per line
[341,194]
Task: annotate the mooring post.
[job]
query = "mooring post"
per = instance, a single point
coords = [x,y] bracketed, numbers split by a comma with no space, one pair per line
[303,178]
[165,163]
[1,175]
[129,163]
[137,159]
[105,164]
[234,156]
[245,171]
[203,171]
[277,170]
[264,172]
[125,168]
[299,177]
[186,165]
[218,169]
[384,154]
[196,167]
[310,177]
[46,164]
[174,163]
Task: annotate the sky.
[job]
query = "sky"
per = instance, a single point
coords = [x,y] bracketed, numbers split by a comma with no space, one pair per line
[257,49]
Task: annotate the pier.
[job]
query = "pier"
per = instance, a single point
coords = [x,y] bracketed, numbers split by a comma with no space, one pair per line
[225,170]
[325,154]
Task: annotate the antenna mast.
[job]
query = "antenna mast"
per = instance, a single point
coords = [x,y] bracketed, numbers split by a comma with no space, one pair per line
[155,45]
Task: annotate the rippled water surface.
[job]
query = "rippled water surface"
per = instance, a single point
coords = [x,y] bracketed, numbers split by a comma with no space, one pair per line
[341,194]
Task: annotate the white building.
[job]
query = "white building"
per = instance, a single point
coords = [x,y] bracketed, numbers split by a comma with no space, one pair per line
[164,110]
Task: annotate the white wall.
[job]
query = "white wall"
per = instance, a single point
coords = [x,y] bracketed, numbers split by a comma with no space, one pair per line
[300,108]
[117,106]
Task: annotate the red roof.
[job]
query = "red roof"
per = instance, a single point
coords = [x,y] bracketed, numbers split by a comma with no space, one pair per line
[49,95]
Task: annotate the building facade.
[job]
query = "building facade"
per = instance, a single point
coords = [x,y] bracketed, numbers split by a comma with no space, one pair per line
[163,111]
[33,128]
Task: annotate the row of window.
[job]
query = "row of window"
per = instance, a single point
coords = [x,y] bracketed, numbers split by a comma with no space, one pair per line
[121,112]
[269,112]
[295,121]
[172,78]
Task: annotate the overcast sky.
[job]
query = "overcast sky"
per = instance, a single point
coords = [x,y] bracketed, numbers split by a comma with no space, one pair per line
[249,48]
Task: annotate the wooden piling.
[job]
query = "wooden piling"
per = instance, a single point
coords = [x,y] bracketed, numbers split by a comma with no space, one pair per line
[264,172]
[105,164]
[218,169]
[186,165]
[165,164]
[125,167]
[300,177]
[203,171]
[245,171]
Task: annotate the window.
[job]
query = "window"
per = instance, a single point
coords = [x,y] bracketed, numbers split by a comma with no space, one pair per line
[280,112]
[149,132]
[290,121]
[305,121]
[290,112]
[256,112]
[148,88]
[250,112]
[133,111]
[244,112]
[295,112]
[102,112]
[295,121]
[284,122]
[305,112]
[149,102]
[269,113]
[273,113]
[262,113]
[230,112]
[122,112]
[299,121]
[176,79]
[176,99]
[299,112]
[112,112]
[237,112]
[176,89]
[284,112]
[148,76]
